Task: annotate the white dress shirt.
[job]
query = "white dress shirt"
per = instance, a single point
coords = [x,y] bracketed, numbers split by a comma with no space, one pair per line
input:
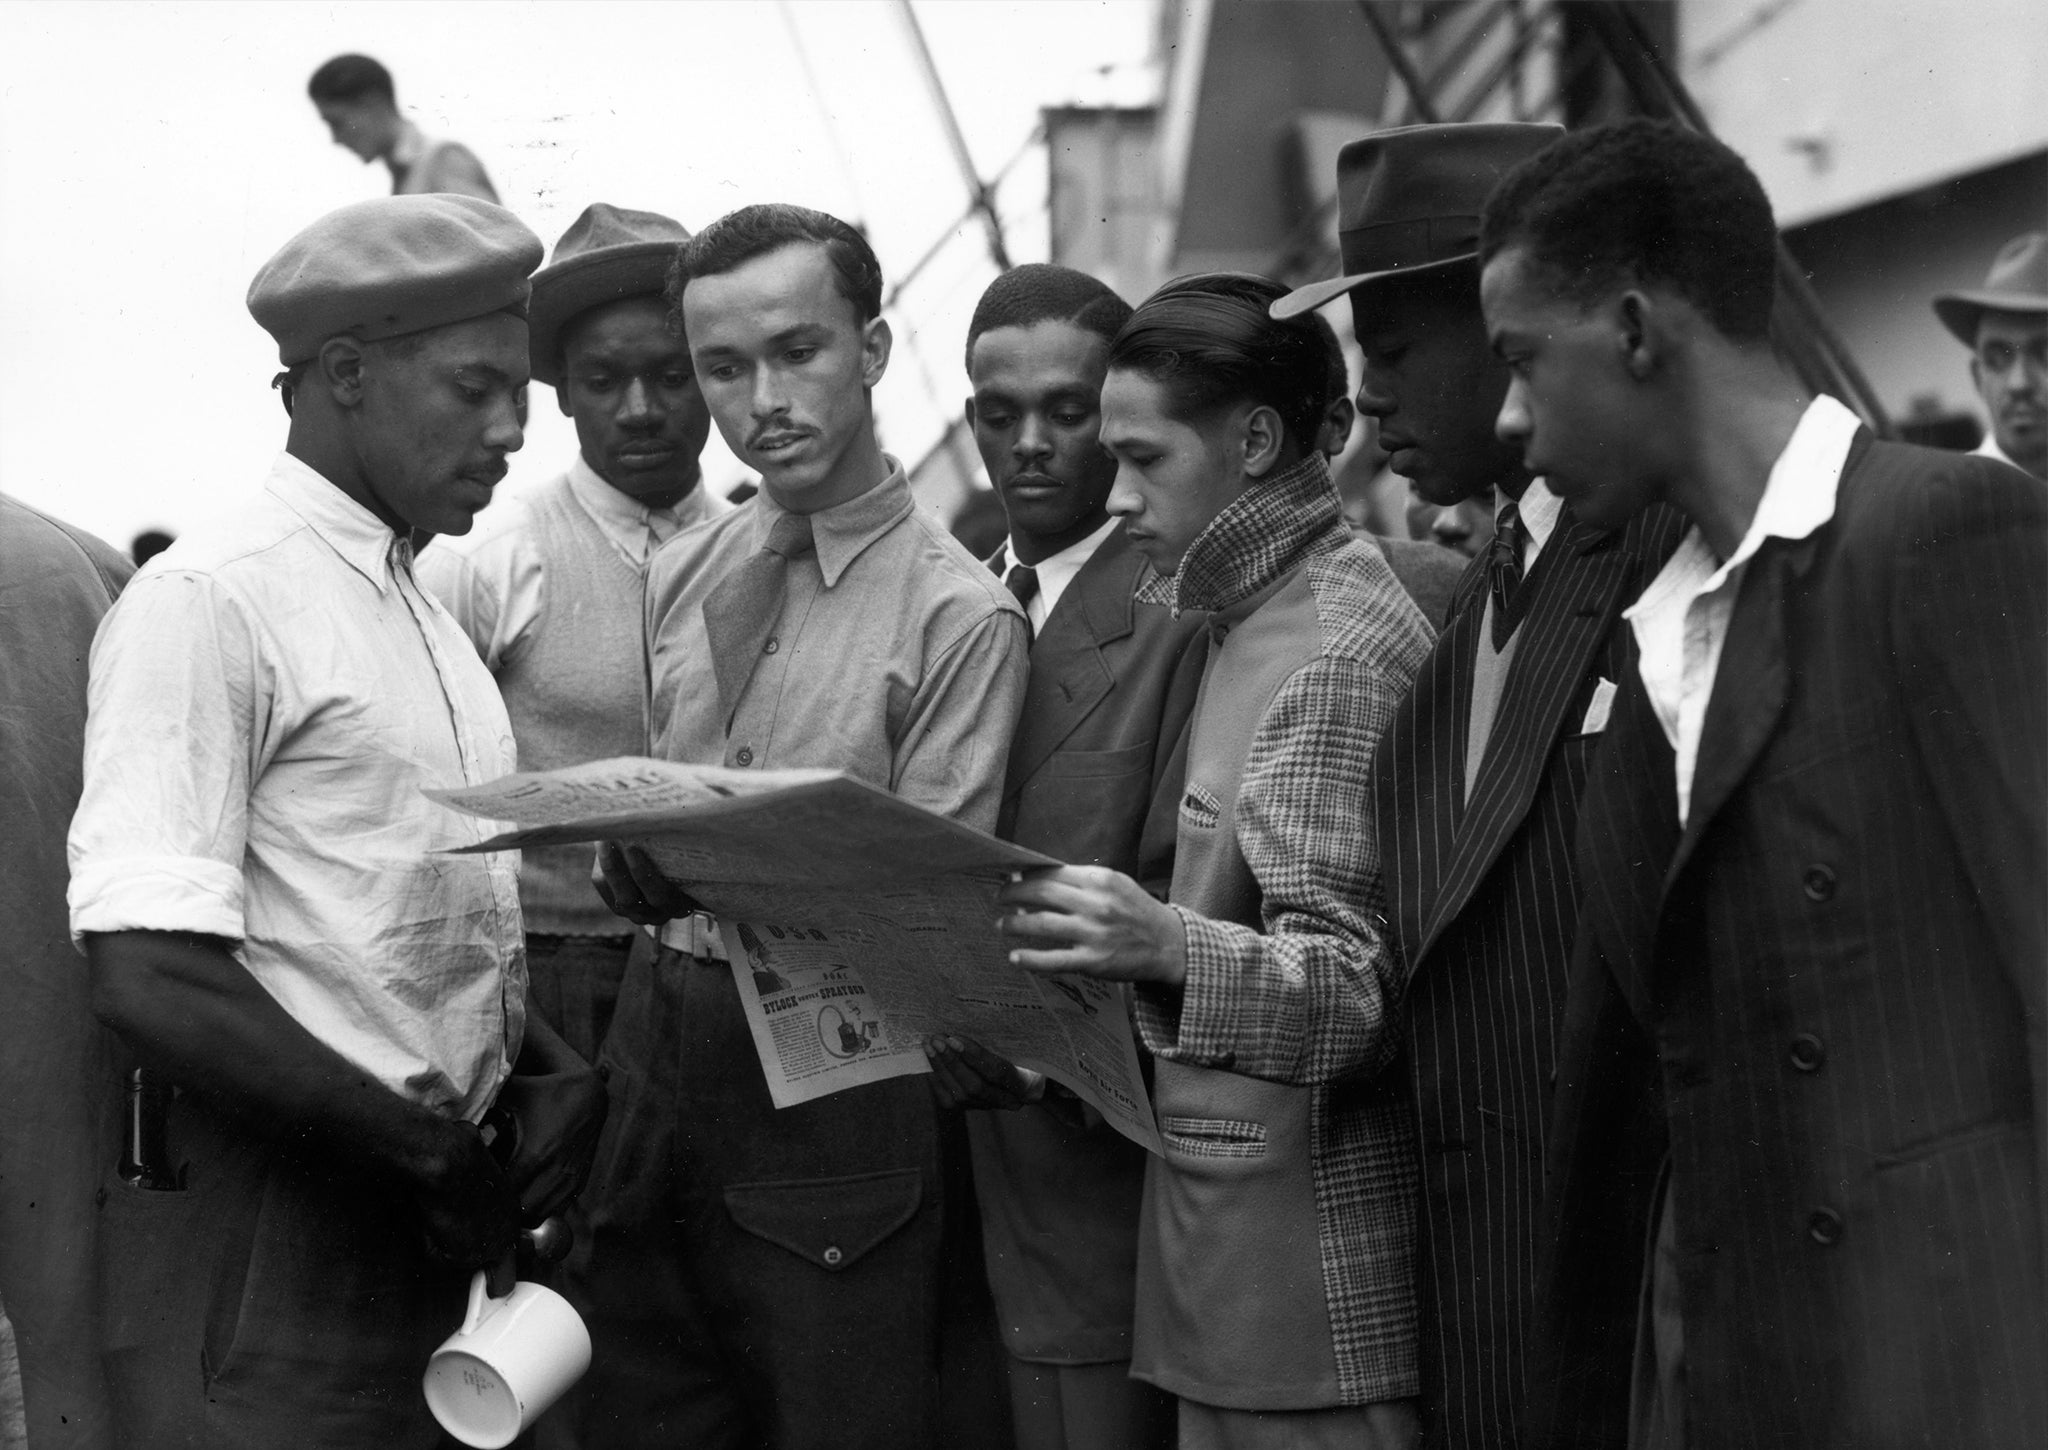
[1539,509]
[494,578]
[1681,621]
[1055,572]
[267,704]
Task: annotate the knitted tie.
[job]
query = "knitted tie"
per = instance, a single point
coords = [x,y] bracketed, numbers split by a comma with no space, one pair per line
[1022,581]
[741,612]
[1504,572]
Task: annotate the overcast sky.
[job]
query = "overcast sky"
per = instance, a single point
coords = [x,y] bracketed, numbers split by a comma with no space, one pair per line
[152,155]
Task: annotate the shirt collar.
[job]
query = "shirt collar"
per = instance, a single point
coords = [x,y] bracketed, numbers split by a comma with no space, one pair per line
[842,532]
[352,531]
[1056,571]
[624,519]
[1538,509]
[1799,497]
[1259,537]
[1989,449]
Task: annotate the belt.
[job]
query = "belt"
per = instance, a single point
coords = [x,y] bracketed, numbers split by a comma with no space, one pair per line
[695,935]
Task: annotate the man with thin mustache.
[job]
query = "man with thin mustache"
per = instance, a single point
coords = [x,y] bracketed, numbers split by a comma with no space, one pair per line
[275,925]
[2004,323]
[828,622]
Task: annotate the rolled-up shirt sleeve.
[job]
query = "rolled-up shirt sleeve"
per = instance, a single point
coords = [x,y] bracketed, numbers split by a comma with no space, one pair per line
[172,741]
[1312,997]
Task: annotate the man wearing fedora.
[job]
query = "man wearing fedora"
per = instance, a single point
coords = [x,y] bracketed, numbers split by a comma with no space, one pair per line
[1477,781]
[2004,324]
[549,587]
[275,924]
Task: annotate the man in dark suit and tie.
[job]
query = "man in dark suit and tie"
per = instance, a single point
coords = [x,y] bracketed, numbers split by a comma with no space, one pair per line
[1814,843]
[1094,779]
[1476,785]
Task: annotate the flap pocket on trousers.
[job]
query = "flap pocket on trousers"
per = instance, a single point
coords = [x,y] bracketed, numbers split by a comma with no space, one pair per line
[831,1222]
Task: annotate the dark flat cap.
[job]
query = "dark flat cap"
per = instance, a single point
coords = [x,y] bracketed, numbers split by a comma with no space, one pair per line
[1409,199]
[398,264]
[609,253]
[2018,282]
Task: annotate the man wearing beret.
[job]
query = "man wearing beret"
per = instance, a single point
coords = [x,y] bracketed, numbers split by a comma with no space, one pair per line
[549,585]
[327,1003]
[2004,324]
[1476,783]
[828,623]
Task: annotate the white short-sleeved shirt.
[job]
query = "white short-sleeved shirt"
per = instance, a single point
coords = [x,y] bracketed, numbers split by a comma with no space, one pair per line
[267,702]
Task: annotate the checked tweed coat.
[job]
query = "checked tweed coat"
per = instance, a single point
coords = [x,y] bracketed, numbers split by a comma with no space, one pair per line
[1483,895]
[1275,1258]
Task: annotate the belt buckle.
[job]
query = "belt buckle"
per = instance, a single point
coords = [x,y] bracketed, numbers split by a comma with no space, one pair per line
[695,935]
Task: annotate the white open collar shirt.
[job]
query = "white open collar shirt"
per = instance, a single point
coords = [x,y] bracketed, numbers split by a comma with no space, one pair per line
[1681,621]
[266,704]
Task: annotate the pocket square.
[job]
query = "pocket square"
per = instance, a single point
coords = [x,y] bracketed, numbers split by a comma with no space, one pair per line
[1600,709]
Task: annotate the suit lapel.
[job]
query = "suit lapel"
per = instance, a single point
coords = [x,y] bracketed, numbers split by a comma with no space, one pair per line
[1628,830]
[1420,773]
[1069,676]
[1579,582]
[1750,685]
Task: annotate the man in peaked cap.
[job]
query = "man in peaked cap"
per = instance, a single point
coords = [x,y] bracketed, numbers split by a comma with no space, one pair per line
[549,587]
[1476,783]
[325,1003]
[2004,323]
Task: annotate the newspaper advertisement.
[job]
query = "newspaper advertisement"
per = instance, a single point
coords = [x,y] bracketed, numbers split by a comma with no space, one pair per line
[857,923]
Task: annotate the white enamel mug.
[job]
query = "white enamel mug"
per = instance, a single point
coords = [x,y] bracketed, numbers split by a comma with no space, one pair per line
[511,1359]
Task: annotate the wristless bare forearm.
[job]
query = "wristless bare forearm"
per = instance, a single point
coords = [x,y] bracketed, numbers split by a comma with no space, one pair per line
[190,1010]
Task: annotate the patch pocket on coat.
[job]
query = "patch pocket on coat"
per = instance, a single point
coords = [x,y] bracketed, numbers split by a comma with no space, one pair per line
[830,1222]
[1214,1137]
[1199,808]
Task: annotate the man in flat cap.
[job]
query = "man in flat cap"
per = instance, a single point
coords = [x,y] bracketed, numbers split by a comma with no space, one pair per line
[831,623]
[355,96]
[2004,324]
[1477,781]
[327,1004]
[549,586]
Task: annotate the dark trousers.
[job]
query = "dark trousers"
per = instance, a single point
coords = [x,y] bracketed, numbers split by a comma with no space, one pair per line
[573,983]
[755,1277]
[277,1301]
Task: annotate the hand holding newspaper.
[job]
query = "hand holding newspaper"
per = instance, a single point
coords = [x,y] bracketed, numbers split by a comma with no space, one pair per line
[859,924]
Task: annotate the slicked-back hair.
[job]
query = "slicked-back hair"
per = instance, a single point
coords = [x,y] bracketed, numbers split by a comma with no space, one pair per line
[1208,342]
[754,231]
[1042,292]
[1647,201]
[350,78]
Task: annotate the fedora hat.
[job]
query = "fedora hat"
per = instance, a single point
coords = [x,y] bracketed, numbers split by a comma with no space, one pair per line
[2017,282]
[608,253]
[1409,199]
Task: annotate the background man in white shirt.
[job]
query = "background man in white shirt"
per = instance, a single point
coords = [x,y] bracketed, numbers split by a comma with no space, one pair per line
[1813,843]
[550,586]
[2004,324]
[355,97]
[259,883]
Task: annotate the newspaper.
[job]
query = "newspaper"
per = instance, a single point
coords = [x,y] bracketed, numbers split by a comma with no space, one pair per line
[858,924]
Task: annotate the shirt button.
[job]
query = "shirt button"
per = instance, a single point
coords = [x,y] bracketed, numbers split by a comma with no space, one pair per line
[1807,1054]
[745,755]
[1819,882]
[833,1257]
[1824,1226]
[772,646]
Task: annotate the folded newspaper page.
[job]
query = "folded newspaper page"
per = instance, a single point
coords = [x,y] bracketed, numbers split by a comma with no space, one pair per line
[858,923]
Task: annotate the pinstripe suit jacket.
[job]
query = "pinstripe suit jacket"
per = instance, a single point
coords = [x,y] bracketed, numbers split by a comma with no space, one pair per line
[1483,898]
[1842,963]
